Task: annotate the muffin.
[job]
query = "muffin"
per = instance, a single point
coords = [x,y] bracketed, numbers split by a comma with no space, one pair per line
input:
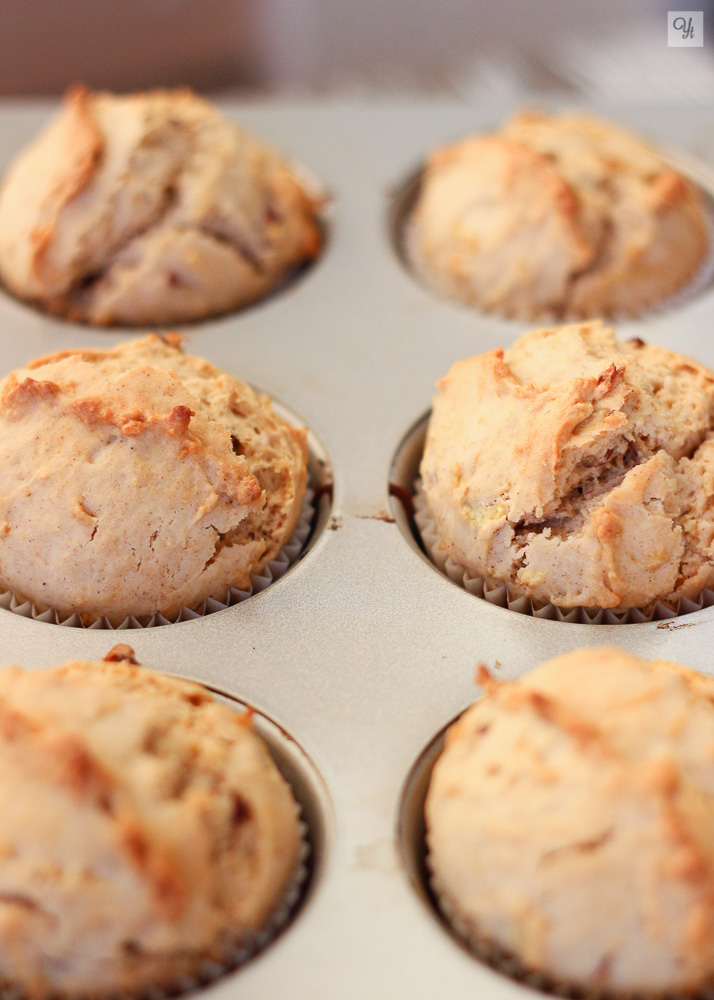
[147,209]
[570,824]
[576,469]
[140,480]
[557,217]
[146,830]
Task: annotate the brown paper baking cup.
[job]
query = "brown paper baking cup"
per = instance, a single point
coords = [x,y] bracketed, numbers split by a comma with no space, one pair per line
[502,595]
[503,961]
[702,278]
[242,949]
[276,568]
[235,951]
[487,951]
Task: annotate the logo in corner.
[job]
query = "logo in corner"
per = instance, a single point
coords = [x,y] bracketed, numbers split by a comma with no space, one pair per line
[685,28]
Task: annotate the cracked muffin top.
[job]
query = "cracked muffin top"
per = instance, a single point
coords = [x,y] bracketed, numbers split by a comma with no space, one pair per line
[149,209]
[577,469]
[557,217]
[146,829]
[140,479]
[570,822]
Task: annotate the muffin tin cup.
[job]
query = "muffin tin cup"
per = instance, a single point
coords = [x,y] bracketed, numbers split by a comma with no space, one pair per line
[404,237]
[276,568]
[246,947]
[236,950]
[239,950]
[416,857]
[501,594]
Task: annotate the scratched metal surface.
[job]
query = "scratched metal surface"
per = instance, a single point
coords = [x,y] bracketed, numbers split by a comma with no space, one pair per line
[363,651]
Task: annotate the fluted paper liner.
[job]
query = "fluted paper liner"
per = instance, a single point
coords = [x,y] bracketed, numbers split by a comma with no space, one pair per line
[276,568]
[236,948]
[502,595]
[505,962]
[246,946]
[236,953]
[502,960]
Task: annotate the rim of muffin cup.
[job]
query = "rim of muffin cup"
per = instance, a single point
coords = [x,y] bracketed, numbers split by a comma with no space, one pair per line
[399,221]
[314,815]
[416,524]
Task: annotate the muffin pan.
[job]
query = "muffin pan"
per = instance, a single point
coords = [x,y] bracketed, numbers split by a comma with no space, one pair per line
[362,651]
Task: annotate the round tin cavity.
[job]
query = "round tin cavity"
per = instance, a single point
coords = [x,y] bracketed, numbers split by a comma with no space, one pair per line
[411,514]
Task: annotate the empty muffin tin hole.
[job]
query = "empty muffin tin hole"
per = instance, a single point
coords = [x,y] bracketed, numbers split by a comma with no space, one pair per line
[409,511]
[316,513]
[412,847]
[403,201]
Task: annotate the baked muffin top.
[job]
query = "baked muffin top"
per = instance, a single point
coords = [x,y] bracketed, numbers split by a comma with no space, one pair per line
[140,479]
[557,217]
[145,829]
[570,822]
[577,469]
[149,208]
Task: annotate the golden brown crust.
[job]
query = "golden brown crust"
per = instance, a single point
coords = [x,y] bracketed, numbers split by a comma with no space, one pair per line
[571,823]
[81,151]
[576,469]
[557,217]
[17,396]
[168,481]
[150,208]
[145,830]
[121,652]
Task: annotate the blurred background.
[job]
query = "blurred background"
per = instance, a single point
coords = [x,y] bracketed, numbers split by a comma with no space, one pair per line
[610,49]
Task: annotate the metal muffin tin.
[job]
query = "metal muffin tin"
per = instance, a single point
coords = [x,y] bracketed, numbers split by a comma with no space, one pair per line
[363,650]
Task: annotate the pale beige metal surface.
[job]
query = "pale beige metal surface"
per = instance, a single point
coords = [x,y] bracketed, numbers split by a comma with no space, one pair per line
[363,651]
